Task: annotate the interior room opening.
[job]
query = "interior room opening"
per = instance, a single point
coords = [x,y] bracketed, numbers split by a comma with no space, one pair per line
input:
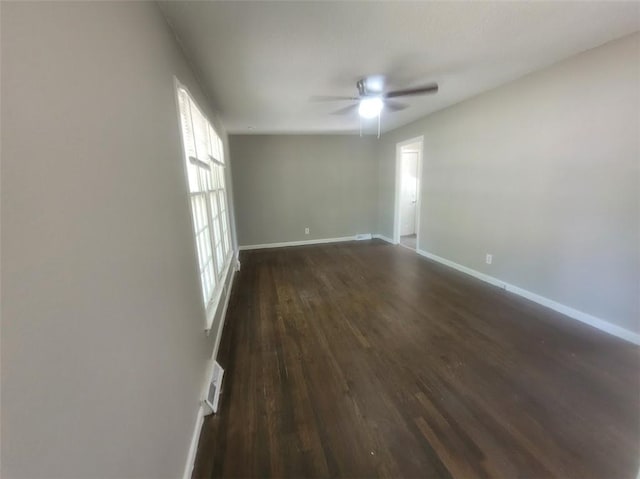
[408,193]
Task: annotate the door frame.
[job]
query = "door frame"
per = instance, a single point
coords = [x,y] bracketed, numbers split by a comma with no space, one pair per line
[398,183]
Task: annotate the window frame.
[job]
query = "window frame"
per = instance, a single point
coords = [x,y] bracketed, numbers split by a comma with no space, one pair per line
[210,190]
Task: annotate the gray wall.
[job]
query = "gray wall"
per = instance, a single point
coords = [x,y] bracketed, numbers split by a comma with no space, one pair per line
[544,174]
[284,183]
[103,349]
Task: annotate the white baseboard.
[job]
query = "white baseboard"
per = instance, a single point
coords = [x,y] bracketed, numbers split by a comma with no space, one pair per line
[316,241]
[298,243]
[384,238]
[598,323]
[364,236]
[193,448]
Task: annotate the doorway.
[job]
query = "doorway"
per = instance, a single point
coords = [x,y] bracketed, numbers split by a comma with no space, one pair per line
[408,175]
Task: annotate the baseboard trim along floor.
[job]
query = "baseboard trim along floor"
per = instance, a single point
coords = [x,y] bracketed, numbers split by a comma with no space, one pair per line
[586,318]
[297,243]
[581,316]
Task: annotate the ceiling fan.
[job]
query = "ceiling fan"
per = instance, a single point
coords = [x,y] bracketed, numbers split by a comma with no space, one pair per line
[372,98]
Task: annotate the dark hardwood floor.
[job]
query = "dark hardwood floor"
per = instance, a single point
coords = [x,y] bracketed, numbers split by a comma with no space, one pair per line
[364,360]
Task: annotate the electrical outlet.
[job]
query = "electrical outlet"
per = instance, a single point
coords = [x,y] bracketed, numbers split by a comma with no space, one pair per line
[489,258]
[306,231]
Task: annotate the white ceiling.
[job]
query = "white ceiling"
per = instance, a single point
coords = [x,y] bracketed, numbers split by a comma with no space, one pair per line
[261,62]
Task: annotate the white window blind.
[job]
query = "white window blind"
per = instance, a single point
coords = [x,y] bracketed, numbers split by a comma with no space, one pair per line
[204,157]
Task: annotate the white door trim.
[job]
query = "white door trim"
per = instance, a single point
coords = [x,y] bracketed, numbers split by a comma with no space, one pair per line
[396,209]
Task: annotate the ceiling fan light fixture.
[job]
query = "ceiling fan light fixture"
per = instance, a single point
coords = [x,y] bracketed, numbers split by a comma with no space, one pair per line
[370,107]
[374,83]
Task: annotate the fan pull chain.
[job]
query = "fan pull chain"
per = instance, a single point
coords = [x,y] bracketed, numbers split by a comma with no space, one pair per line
[360,121]
[379,115]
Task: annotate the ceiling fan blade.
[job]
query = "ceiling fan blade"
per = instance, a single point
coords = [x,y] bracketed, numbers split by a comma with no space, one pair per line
[346,110]
[394,105]
[332,98]
[432,88]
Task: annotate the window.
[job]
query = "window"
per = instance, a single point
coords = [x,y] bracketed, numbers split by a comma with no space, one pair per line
[204,157]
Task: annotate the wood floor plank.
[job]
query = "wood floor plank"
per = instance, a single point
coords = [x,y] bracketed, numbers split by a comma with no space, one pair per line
[363,359]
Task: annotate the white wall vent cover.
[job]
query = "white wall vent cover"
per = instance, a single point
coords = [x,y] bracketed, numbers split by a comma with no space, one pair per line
[364,236]
[215,386]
